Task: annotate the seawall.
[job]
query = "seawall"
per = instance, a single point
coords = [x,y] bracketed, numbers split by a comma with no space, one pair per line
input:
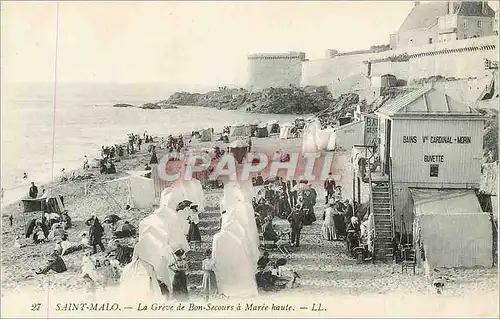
[459,59]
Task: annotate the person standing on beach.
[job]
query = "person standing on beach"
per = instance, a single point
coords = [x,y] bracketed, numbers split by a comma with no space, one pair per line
[209,280]
[179,283]
[292,193]
[33,193]
[328,229]
[329,186]
[95,233]
[296,220]
[86,163]
[154,158]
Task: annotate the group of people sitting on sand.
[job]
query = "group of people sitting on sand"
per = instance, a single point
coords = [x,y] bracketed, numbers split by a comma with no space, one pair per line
[106,236]
[274,275]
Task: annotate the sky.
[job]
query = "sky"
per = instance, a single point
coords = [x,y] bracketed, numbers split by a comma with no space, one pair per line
[189,43]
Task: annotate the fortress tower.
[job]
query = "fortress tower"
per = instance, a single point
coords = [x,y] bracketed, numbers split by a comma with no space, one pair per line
[274,70]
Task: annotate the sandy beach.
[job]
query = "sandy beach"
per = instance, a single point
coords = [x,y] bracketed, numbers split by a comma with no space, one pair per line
[324,267]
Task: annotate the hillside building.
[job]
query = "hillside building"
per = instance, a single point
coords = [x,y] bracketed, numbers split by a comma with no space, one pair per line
[442,21]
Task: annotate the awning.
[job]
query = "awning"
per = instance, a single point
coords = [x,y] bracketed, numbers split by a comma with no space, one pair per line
[444,202]
[452,228]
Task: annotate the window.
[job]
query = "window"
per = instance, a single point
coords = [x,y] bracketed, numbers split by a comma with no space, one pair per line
[466,24]
[434,171]
[479,24]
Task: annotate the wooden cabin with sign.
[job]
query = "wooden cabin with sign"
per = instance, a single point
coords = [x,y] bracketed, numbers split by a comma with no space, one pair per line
[428,141]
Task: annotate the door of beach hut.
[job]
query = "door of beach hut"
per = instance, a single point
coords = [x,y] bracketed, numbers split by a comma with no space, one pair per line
[239,149]
[238,130]
[262,131]
[286,131]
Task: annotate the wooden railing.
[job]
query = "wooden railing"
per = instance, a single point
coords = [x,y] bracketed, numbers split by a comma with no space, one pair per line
[371,204]
[391,199]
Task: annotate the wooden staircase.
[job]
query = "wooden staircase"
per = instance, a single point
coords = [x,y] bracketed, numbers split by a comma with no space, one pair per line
[382,214]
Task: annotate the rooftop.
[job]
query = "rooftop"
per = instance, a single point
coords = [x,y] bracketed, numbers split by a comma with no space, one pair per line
[426,101]
[424,16]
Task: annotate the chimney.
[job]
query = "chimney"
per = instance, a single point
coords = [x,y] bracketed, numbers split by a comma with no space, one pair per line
[416,3]
[451,7]
[484,6]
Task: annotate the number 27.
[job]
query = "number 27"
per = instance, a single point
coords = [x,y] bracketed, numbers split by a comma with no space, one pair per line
[35,306]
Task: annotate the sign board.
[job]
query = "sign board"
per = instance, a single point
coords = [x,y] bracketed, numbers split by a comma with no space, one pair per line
[371,129]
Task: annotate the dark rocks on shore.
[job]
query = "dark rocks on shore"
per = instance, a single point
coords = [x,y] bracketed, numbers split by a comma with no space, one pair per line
[290,100]
[149,106]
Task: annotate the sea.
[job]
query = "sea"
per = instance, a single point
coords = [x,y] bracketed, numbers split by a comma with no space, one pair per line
[43,133]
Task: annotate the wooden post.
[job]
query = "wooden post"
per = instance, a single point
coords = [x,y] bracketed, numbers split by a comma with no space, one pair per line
[359,190]
[353,187]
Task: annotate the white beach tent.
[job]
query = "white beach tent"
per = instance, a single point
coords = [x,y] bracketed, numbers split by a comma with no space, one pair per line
[237,201]
[240,213]
[158,254]
[309,144]
[193,191]
[452,229]
[286,131]
[241,190]
[323,138]
[139,277]
[234,270]
[170,225]
[237,130]
[331,142]
[235,227]
[140,188]
[142,193]
[182,190]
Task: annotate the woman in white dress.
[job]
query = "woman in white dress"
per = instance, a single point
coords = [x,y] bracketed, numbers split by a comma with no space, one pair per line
[328,229]
[209,281]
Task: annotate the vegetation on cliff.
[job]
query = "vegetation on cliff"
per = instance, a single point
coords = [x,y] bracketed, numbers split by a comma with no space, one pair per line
[490,137]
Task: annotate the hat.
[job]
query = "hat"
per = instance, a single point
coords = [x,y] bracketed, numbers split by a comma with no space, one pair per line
[179,252]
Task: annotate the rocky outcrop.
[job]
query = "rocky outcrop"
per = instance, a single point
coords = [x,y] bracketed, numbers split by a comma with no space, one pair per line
[344,105]
[290,100]
[149,106]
